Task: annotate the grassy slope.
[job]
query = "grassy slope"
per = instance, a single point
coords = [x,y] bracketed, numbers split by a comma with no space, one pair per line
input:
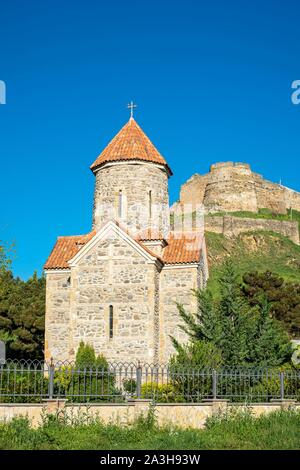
[275,431]
[254,251]
[263,214]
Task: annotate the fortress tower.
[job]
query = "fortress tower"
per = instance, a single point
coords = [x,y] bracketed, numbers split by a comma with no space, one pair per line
[230,187]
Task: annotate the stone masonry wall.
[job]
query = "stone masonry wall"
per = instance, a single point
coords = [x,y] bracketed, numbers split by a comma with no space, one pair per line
[135,181]
[176,284]
[232,226]
[185,415]
[113,273]
[57,316]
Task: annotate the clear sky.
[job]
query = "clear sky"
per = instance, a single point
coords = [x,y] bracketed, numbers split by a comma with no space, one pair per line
[212,81]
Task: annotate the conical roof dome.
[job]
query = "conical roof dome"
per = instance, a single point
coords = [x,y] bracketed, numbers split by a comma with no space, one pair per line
[131,143]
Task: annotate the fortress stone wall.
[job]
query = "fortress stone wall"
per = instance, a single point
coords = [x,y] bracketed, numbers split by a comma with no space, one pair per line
[233,226]
[233,187]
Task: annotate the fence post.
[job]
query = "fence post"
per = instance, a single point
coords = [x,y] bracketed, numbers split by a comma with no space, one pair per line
[138,380]
[214,384]
[281,385]
[51,378]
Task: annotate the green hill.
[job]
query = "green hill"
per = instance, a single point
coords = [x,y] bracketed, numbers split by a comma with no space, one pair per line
[254,251]
[291,215]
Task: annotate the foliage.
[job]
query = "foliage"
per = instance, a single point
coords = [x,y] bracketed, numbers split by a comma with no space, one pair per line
[231,430]
[240,334]
[160,392]
[6,254]
[86,357]
[283,297]
[129,385]
[22,313]
[198,354]
[90,379]
[21,383]
[263,214]
[253,251]
[190,369]
[269,386]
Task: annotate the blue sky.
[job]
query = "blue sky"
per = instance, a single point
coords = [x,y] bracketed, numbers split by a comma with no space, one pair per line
[212,81]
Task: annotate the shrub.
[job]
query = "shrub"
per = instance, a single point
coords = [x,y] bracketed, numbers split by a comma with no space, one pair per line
[160,392]
[19,383]
[90,379]
[129,385]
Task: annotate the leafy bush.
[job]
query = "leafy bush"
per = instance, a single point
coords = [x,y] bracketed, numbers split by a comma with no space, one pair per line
[160,392]
[129,385]
[270,386]
[90,379]
[22,383]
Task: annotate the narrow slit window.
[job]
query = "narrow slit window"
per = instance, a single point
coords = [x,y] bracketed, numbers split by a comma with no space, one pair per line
[120,205]
[111,321]
[150,204]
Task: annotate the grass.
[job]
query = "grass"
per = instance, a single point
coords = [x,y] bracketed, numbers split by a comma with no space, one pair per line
[254,251]
[263,214]
[233,430]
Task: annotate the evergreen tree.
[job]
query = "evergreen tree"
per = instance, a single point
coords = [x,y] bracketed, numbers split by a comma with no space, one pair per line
[202,325]
[240,333]
[269,345]
[22,315]
[284,297]
[86,358]
[235,318]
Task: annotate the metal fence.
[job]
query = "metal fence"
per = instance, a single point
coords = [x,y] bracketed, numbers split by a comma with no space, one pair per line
[33,381]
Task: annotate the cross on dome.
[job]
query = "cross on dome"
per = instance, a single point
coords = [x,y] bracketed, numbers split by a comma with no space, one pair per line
[131,106]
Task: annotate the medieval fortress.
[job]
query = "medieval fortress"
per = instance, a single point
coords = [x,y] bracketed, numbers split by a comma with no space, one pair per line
[230,187]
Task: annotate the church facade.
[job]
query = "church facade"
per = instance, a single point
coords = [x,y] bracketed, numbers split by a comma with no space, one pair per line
[117,287]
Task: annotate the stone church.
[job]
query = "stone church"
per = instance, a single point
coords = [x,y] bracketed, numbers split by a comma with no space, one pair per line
[116,287]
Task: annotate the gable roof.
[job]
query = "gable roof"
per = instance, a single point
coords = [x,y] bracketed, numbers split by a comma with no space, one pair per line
[64,249]
[131,143]
[113,227]
[183,248]
[179,250]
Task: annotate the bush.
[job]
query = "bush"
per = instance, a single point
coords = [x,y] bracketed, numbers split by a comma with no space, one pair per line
[129,385]
[269,387]
[22,383]
[160,393]
[90,379]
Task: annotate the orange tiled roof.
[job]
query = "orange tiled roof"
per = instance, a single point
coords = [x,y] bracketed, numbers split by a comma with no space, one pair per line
[150,234]
[64,250]
[131,143]
[186,249]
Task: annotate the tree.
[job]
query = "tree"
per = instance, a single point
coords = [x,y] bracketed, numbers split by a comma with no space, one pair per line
[22,315]
[90,378]
[5,256]
[86,358]
[240,333]
[235,318]
[283,297]
[269,344]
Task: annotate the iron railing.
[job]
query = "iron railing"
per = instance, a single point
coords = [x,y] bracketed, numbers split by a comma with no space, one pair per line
[23,381]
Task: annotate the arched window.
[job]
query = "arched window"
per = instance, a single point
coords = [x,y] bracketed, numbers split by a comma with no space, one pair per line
[150,204]
[120,204]
[111,322]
